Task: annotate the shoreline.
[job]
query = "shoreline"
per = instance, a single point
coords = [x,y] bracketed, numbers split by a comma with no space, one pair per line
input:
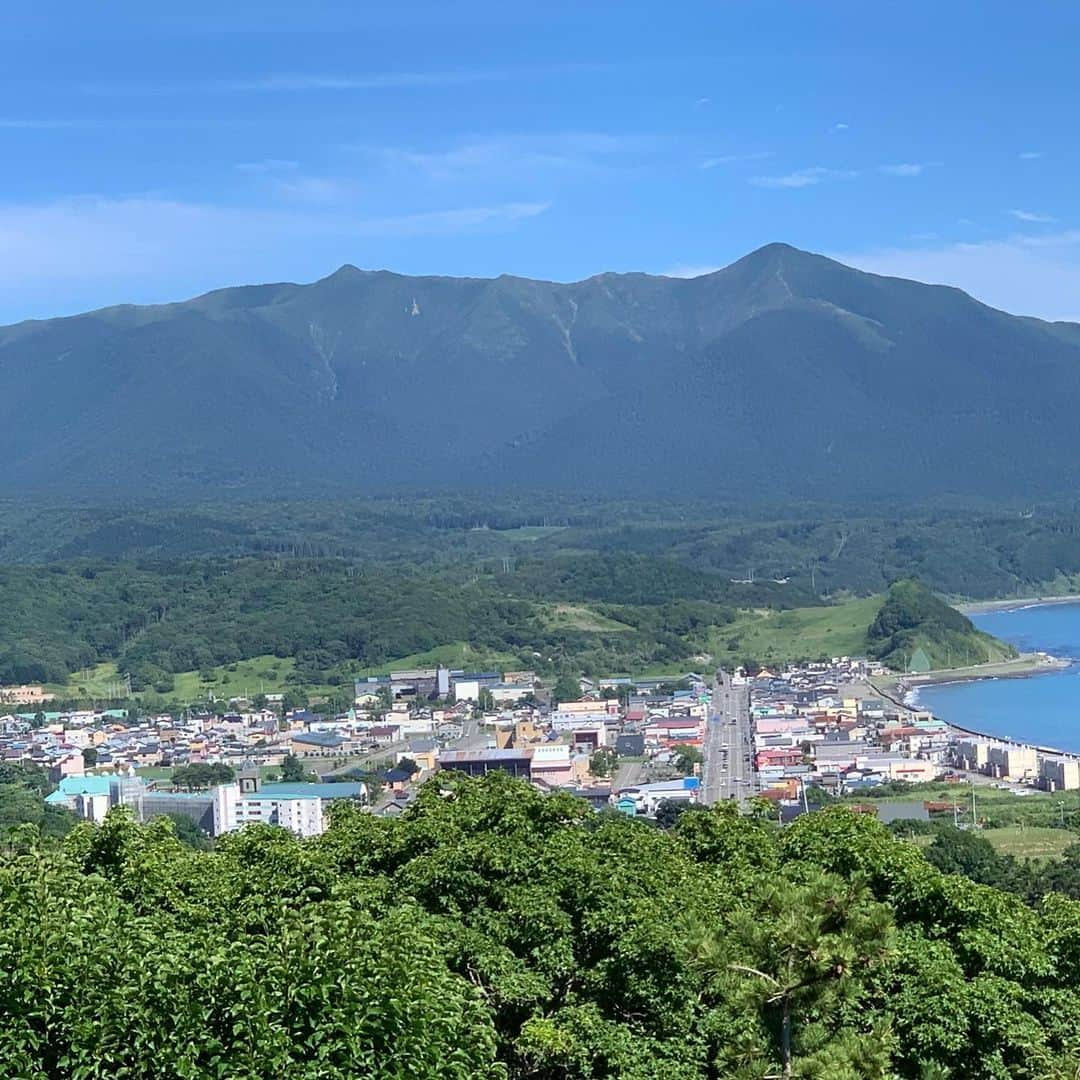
[982,607]
[898,689]
[1026,665]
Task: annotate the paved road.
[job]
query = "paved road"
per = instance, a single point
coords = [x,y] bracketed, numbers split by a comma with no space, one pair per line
[628,774]
[729,747]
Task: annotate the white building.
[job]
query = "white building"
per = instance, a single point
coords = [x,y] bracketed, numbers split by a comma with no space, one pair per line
[301,814]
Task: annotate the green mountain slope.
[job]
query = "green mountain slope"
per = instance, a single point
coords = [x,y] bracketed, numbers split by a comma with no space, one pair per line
[890,627]
[784,374]
[912,619]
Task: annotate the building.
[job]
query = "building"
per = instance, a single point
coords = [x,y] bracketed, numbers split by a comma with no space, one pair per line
[551,763]
[972,755]
[1012,762]
[1059,774]
[24,695]
[481,762]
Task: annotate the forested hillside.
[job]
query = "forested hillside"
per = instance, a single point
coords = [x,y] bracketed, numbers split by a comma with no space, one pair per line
[497,932]
[785,374]
[960,550]
[328,620]
[912,618]
[157,619]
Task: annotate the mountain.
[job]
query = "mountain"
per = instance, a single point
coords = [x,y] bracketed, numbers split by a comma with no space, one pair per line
[911,618]
[785,374]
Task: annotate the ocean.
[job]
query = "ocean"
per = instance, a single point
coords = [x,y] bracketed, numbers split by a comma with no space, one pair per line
[1041,709]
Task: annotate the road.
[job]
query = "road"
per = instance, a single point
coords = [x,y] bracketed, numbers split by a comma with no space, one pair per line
[729,746]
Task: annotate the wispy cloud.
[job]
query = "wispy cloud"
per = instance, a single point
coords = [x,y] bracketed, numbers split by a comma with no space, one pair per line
[1030,155]
[295,82]
[267,166]
[1032,217]
[735,159]
[111,250]
[837,128]
[802,178]
[906,168]
[689,271]
[377,81]
[516,154]
[21,124]
[1030,275]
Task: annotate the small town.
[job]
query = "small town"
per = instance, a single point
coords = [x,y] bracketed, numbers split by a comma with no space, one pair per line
[642,747]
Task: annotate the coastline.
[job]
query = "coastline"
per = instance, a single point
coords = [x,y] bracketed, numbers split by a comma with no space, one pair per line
[981,607]
[898,689]
[1023,667]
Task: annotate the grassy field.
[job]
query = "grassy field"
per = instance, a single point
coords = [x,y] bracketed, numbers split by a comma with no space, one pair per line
[578,617]
[802,633]
[457,654]
[99,682]
[246,678]
[1030,842]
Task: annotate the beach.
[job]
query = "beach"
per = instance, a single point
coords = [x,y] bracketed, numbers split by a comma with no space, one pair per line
[979,607]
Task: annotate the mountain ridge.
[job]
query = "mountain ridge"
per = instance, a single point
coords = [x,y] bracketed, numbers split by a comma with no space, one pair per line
[783,373]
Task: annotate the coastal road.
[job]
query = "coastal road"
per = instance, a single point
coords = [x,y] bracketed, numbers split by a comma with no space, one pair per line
[729,747]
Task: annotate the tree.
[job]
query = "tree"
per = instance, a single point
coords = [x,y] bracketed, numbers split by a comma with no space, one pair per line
[797,956]
[602,761]
[202,775]
[567,688]
[686,757]
[964,851]
[485,700]
[668,812]
[188,832]
[292,770]
[90,757]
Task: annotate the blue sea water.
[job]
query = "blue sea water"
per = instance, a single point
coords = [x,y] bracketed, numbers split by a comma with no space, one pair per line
[1042,709]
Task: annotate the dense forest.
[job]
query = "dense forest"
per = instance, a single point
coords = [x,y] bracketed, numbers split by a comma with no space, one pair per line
[493,931]
[332,619]
[969,550]
[155,619]
[911,618]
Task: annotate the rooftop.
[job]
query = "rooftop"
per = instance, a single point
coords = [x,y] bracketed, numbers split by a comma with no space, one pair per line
[301,790]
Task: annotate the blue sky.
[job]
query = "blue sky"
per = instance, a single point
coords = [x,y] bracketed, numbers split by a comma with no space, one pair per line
[154,151]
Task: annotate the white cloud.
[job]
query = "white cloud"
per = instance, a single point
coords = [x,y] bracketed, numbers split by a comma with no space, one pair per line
[802,178]
[1029,216]
[378,81]
[837,128]
[515,154]
[1030,155]
[267,165]
[118,249]
[1022,274]
[684,271]
[734,159]
[18,124]
[908,168]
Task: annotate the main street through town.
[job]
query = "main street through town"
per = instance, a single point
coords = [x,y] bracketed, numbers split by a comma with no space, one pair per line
[728,771]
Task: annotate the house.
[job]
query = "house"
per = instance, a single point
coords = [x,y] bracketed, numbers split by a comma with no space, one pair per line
[551,763]
[321,744]
[425,752]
